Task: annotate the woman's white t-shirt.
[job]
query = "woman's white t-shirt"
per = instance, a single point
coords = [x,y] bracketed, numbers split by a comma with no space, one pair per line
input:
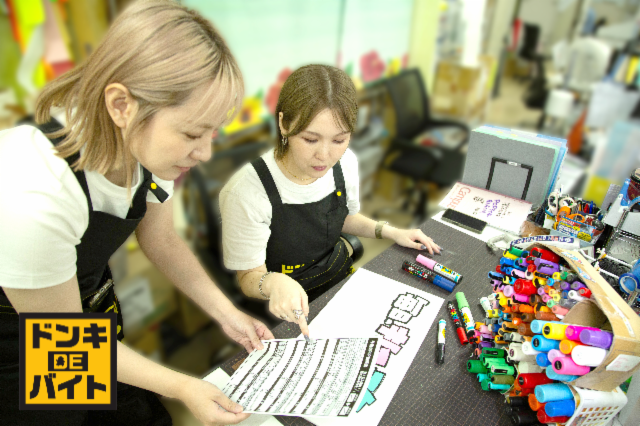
[44,212]
[246,210]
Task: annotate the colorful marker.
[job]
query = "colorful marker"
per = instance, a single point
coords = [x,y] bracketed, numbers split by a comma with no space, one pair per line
[440,269]
[427,275]
[463,306]
[462,336]
[442,327]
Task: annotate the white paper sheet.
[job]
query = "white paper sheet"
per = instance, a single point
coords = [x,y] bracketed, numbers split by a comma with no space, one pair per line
[401,315]
[324,377]
[219,378]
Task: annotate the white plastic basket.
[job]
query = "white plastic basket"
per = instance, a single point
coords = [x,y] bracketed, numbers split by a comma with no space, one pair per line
[595,407]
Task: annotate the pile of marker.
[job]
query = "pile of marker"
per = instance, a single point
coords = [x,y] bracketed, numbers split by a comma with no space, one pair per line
[522,348]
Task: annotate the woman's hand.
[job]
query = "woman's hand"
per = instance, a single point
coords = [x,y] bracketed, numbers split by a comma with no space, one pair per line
[288,300]
[209,405]
[408,238]
[245,330]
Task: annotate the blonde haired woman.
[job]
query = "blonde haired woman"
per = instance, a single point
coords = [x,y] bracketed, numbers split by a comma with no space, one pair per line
[139,112]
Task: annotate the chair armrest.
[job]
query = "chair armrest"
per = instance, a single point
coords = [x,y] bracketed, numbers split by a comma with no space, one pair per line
[356,245]
[451,123]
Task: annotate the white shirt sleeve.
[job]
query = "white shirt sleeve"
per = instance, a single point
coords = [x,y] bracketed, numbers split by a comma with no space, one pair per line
[349,163]
[43,213]
[167,185]
[246,220]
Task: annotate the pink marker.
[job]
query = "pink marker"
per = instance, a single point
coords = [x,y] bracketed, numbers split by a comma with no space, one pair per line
[553,354]
[567,366]
[522,298]
[573,331]
[438,268]
[559,310]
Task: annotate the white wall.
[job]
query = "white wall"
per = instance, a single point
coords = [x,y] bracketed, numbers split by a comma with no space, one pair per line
[500,26]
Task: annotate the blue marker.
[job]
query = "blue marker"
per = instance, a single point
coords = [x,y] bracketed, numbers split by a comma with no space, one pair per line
[428,275]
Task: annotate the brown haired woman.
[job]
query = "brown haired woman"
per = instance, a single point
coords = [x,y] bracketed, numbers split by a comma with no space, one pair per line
[282,215]
[139,111]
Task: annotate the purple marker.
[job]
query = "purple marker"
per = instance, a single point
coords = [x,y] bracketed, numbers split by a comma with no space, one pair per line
[577,285]
[597,338]
[565,286]
[545,266]
[508,291]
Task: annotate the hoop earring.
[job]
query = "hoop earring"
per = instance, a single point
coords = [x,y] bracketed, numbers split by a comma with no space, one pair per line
[284,140]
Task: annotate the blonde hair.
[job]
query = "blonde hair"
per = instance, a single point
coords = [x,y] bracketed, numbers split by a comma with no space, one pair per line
[160,51]
[308,91]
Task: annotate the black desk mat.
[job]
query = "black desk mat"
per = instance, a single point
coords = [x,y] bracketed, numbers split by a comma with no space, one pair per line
[430,394]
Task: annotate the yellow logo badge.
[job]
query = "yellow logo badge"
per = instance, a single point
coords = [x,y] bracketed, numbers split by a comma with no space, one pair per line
[68,361]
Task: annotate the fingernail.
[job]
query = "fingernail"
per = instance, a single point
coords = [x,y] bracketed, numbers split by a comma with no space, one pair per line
[307,318]
[306,338]
[423,247]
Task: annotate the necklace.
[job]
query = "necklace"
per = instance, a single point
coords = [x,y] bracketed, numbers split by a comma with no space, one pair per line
[287,169]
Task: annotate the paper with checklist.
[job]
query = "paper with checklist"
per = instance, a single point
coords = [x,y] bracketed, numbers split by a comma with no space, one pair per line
[324,377]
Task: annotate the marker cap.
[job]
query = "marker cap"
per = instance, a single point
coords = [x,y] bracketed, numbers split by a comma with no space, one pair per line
[462,336]
[597,338]
[429,263]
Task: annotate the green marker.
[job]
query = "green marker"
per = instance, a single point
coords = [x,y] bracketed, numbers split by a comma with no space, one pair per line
[463,307]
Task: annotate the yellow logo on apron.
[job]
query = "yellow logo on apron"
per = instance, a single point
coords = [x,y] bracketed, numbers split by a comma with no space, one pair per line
[289,269]
[68,359]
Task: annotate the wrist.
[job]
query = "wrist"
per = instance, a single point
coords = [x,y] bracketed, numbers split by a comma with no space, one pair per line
[267,281]
[388,232]
[181,384]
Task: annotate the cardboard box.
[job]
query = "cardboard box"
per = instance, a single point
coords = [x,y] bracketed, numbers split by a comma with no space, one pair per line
[460,91]
[149,291]
[608,311]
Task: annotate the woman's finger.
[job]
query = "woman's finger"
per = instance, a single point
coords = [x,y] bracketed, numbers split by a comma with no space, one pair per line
[305,305]
[424,245]
[428,244]
[304,327]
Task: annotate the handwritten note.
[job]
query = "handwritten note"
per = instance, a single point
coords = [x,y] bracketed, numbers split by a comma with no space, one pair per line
[499,211]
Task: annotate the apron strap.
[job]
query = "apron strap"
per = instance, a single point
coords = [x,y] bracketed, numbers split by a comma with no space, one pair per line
[338,177]
[267,181]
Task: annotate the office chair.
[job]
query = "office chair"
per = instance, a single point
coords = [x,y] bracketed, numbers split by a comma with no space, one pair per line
[536,93]
[529,46]
[436,164]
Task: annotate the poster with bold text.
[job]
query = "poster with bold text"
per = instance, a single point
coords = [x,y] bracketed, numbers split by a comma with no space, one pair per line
[370,304]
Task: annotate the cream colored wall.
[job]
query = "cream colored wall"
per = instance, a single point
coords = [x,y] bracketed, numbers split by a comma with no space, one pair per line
[500,26]
[422,44]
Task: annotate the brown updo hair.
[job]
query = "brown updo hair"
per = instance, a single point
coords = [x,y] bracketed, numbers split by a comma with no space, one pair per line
[308,91]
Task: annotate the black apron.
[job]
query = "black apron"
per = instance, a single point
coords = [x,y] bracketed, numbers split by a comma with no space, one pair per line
[103,236]
[305,239]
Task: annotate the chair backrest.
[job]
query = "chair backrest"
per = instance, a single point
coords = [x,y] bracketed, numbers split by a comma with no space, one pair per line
[530,39]
[410,102]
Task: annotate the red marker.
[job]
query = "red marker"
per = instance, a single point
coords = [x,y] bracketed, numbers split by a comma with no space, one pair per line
[462,336]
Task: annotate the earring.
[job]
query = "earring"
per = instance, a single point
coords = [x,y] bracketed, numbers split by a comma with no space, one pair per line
[284,140]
